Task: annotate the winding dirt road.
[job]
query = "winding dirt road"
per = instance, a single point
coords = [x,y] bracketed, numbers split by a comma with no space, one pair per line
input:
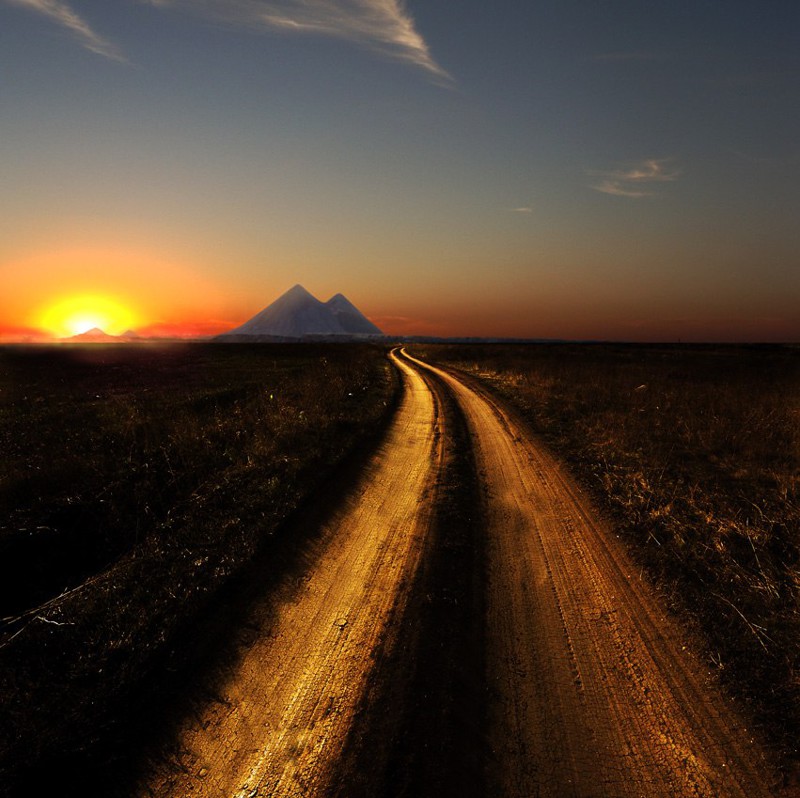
[591,692]
[276,726]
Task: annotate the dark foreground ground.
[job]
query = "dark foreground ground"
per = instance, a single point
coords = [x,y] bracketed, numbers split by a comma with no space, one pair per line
[136,484]
[144,488]
[427,649]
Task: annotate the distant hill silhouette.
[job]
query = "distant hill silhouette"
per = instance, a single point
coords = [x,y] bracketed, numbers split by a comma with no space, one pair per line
[297,314]
[93,336]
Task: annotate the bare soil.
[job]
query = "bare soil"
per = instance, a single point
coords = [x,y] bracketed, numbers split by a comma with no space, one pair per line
[593,689]
[276,726]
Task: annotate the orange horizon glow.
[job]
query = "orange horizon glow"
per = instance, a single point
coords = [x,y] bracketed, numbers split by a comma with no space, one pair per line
[61,319]
[187,330]
[53,294]
[74,315]
[58,293]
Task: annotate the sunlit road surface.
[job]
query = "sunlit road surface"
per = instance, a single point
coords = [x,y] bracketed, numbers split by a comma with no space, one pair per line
[275,728]
[591,690]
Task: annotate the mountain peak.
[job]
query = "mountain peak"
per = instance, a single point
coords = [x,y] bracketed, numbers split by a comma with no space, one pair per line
[350,318]
[340,301]
[297,314]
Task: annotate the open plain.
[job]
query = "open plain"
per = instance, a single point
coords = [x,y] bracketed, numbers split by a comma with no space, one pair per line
[462,620]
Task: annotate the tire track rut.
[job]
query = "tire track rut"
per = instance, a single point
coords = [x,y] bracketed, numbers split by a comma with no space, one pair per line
[589,689]
[592,690]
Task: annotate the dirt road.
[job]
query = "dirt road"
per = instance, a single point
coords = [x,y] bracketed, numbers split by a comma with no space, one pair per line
[589,688]
[592,692]
[276,726]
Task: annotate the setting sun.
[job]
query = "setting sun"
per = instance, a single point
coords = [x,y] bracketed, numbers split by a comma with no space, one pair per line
[77,314]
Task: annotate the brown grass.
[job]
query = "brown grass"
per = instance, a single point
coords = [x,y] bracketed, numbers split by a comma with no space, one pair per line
[135,483]
[695,452]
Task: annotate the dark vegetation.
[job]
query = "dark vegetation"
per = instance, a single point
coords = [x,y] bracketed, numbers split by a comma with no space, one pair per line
[695,453]
[136,482]
[429,737]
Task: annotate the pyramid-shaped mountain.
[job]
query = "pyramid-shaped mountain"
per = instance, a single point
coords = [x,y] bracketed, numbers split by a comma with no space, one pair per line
[298,314]
[350,318]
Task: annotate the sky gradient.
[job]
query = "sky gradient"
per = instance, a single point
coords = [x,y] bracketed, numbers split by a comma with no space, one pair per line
[561,169]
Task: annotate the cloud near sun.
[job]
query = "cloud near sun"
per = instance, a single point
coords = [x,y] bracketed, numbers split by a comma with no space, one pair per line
[384,26]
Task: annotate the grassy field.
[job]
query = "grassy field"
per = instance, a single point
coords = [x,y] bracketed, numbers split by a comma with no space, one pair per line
[695,453]
[138,482]
[135,482]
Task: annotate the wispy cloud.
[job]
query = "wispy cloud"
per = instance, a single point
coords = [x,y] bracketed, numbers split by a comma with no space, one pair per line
[384,26]
[637,180]
[524,209]
[62,14]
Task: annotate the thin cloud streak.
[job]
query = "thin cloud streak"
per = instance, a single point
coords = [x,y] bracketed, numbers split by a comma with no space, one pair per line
[61,13]
[635,181]
[616,189]
[384,26]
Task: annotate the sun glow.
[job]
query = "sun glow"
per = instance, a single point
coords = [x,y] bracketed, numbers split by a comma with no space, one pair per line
[78,314]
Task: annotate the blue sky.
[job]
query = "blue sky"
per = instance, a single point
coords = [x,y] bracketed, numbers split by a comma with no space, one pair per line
[551,169]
